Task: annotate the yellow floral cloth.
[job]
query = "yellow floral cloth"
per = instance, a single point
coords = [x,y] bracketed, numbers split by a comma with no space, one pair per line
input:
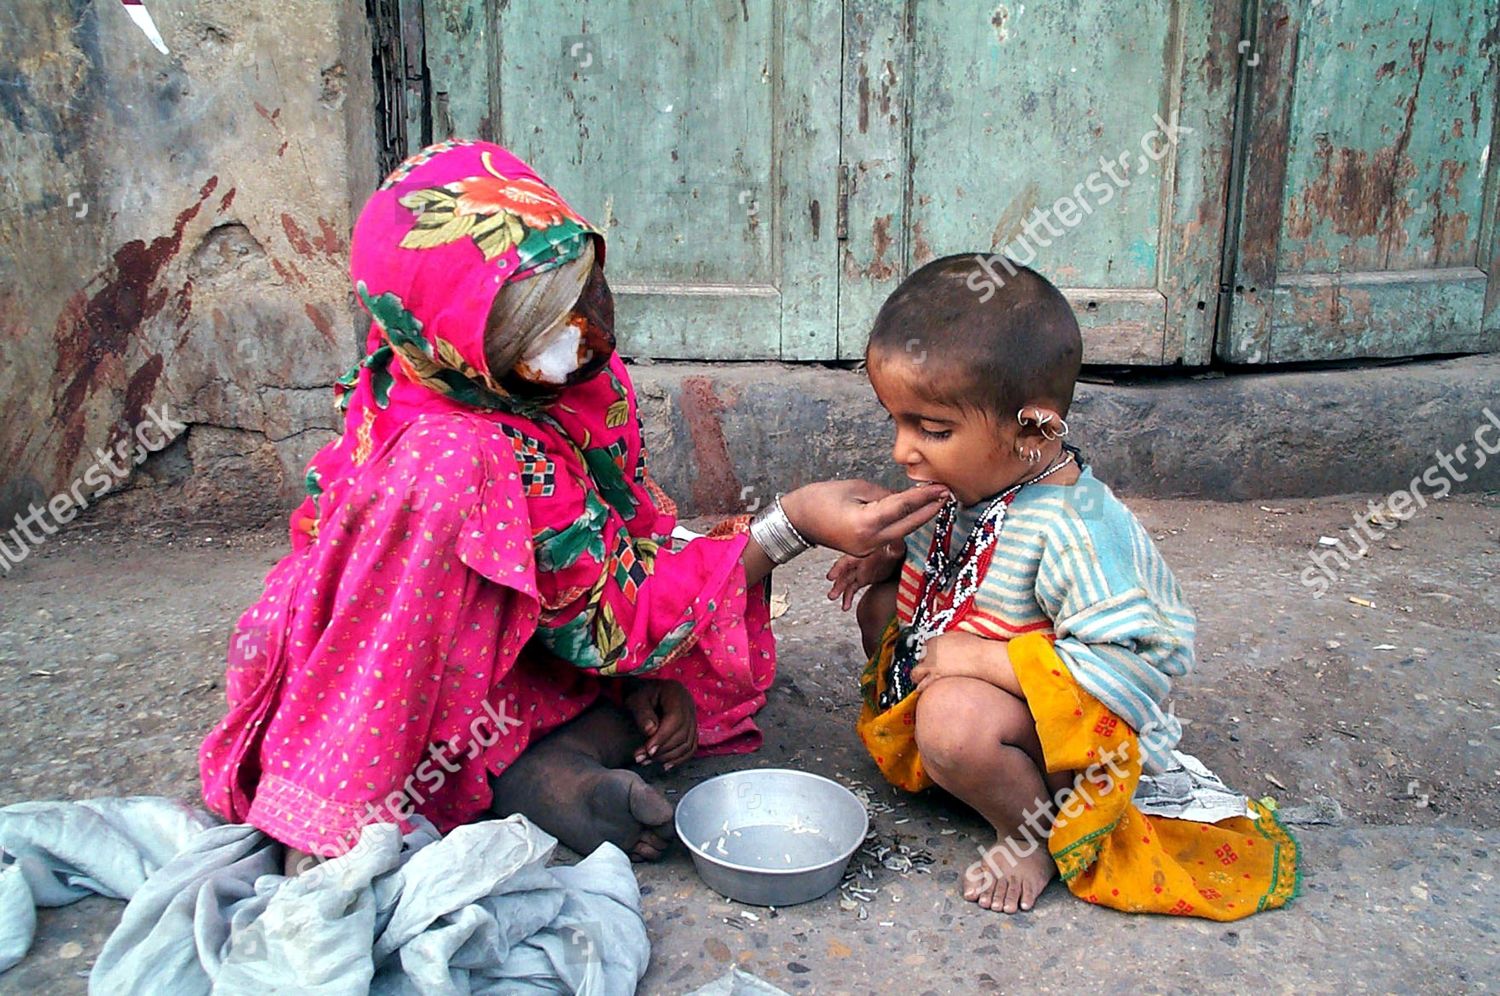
[1107,851]
[890,736]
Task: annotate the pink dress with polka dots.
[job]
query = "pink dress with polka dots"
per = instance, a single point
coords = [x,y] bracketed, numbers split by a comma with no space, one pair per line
[464,577]
[398,658]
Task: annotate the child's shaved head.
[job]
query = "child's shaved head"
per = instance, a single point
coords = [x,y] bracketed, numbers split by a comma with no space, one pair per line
[995,351]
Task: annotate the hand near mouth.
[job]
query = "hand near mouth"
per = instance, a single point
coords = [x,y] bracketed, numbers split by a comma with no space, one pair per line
[858,517]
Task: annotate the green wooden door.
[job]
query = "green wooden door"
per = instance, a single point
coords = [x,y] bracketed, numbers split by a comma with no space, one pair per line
[1369,199]
[703,135]
[980,127]
[769,171]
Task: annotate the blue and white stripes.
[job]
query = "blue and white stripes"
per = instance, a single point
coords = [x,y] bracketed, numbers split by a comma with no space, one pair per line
[1075,557]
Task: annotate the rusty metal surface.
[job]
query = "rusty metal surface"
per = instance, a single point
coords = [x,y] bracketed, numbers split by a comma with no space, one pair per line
[1368,207]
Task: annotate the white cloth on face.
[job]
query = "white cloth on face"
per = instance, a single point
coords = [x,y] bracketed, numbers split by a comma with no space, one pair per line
[476,912]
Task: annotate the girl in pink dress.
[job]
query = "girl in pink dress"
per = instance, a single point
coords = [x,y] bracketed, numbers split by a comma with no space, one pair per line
[484,611]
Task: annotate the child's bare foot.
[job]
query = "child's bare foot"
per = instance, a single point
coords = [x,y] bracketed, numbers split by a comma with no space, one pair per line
[1009,883]
[979,742]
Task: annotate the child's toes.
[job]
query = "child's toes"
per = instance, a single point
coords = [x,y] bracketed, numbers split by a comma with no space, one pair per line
[1012,895]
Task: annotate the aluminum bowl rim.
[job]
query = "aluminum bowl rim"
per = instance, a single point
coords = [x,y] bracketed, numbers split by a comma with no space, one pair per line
[698,852]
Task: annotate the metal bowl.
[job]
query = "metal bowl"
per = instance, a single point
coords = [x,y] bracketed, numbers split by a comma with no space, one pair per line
[771,836]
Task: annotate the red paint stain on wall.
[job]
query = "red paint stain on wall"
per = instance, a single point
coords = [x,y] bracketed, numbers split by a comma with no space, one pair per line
[139,390]
[288,272]
[715,487]
[328,239]
[295,235]
[320,322]
[100,321]
[182,304]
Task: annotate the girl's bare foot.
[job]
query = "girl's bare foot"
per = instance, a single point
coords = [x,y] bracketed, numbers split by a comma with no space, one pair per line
[1009,882]
[979,742]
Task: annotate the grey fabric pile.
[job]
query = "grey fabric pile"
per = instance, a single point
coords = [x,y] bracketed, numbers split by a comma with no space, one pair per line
[1189,791]
[477,911]
[737,982]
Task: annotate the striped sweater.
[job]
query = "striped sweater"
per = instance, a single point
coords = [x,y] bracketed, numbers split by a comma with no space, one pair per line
[1075,564]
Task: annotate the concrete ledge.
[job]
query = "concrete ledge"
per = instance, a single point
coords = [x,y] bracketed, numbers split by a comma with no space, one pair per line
[722,435]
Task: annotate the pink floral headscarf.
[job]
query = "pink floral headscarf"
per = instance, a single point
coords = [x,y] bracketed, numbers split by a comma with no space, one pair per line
[445,232]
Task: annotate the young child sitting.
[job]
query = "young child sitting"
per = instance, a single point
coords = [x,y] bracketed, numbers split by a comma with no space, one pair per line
[1027,637]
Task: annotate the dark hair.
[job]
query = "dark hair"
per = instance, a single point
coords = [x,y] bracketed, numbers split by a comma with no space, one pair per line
[986,339]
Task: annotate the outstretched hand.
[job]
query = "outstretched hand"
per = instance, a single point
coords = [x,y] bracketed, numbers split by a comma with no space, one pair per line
[851,574]
[857,517]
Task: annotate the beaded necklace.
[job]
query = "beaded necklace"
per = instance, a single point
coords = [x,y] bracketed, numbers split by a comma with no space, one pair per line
[963,573]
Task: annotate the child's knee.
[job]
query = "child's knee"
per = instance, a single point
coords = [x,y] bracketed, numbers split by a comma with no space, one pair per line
[945,722]
[959,718]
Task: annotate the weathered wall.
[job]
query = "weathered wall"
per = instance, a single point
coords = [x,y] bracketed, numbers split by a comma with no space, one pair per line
[173,232]
[725,437]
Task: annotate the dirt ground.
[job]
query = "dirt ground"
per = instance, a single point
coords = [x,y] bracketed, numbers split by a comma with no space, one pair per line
[1370,713]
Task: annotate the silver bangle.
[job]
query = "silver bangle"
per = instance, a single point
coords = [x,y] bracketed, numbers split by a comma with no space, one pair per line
[773,530]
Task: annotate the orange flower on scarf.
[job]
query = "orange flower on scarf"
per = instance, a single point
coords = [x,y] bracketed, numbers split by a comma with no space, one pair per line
[532,202]
[495,211]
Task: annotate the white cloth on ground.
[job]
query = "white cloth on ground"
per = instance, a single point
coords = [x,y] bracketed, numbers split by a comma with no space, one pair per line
[1187,790]
[737,982]
[476,912]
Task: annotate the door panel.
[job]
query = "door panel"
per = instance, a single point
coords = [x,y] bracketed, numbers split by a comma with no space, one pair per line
[962,121]
[769,172]
[1369,201]
[699,134]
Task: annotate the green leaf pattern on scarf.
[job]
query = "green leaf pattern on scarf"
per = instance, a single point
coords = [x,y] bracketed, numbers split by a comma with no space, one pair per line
[668,644]
[435,365]
[549,247]
[312,483]
[559,549]
[594,638]
[610,480]
[573,642]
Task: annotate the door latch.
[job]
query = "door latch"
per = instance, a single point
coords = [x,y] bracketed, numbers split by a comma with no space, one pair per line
[841,220]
